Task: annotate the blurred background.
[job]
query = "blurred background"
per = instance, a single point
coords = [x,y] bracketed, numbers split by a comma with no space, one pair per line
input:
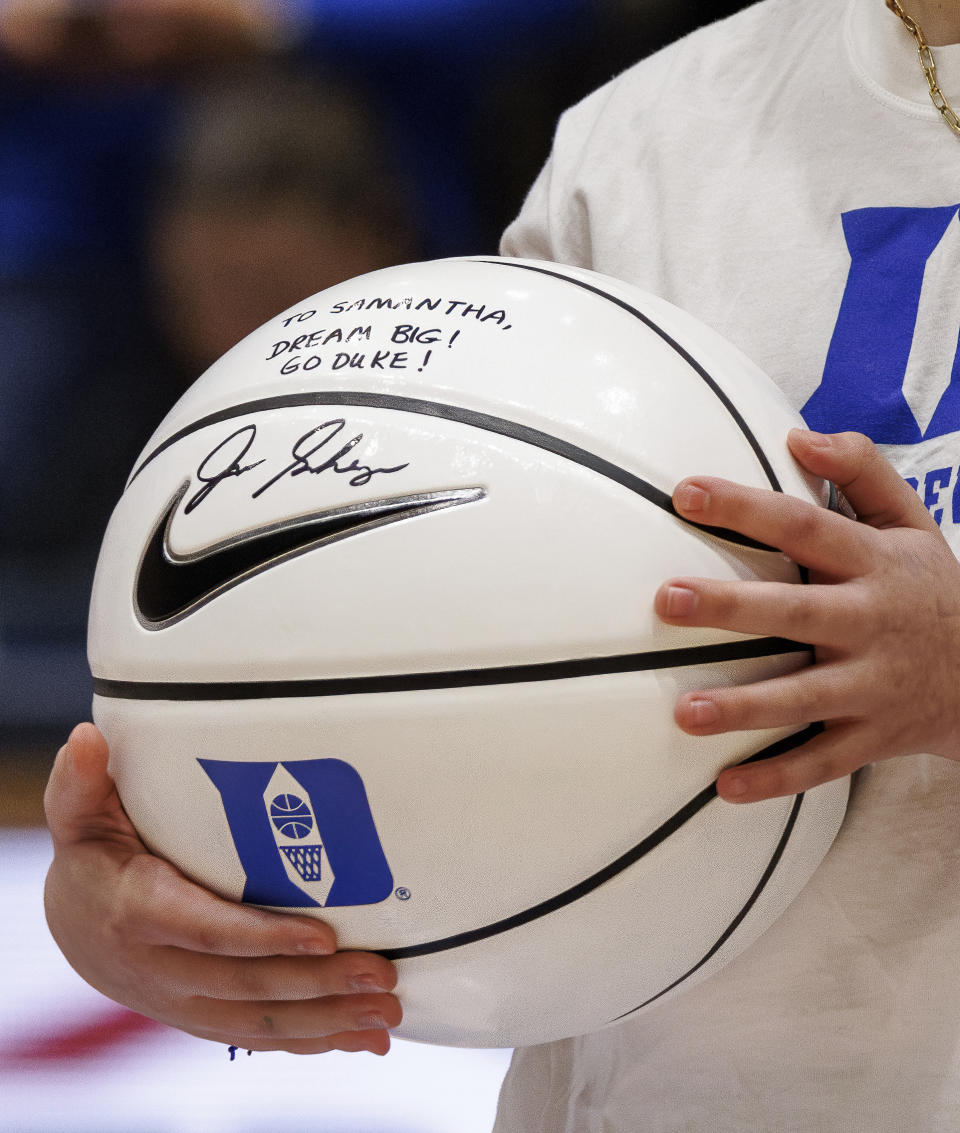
[172,174]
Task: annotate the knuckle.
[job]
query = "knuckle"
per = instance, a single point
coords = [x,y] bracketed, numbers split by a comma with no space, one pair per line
[776,778]
[207,937]
[802,707]
[252,981]
[800,617]
[828,766]
[736,705]
[769,704]
[857,453]
[857,444]
[730,503]
[724,601]
[143,889]
[769,781]
[804,523]
[801,701]
[138,881]
[264,934]
[154,906]
[864,618]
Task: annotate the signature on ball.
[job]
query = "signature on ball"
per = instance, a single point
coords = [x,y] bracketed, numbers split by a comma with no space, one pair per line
[318,450]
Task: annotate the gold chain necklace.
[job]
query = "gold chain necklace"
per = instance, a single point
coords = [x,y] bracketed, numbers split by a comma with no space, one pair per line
[937,96]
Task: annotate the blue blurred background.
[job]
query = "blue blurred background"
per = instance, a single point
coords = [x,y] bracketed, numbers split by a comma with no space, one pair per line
[172,174]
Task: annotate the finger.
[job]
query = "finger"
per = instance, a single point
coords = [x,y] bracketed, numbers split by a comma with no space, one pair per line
[809,614]
[162,907]
[812,694]
[831,755]
[273,977]
[878,494]
[271,1022]
[813,536]
[81,800]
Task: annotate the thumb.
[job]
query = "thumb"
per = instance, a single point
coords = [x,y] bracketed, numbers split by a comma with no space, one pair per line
[81,799]
[877,493]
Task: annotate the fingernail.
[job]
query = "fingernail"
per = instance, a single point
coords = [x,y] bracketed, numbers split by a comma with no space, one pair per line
[703,712]
[681,601]
[734,787]
[367,983]
[692,498]
[371,1022]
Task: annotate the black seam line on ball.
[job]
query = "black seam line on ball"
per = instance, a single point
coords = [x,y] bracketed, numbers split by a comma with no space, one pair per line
[631,857]
[711,382]
[460,415]
[456,678]
[737,920]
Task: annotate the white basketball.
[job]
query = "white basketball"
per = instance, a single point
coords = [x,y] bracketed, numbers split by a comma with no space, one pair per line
[373,640]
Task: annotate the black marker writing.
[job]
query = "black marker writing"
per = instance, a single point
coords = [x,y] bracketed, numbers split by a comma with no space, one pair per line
[306,448]
[223,463]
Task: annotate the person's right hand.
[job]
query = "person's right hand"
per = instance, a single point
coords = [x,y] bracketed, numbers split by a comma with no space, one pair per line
[143,934]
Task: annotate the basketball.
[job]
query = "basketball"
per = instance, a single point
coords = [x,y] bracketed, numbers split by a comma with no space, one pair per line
[372,639]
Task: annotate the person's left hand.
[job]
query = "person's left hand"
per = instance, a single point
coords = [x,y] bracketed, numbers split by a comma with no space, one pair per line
[882,611]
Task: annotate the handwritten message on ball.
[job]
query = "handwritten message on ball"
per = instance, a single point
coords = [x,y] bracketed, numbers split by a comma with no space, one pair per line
[407,345]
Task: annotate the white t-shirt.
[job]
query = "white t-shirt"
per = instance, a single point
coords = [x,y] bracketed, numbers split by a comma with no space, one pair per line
[784,176]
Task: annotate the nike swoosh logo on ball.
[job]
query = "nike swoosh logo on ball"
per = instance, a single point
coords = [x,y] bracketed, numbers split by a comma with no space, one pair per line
[169,587]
